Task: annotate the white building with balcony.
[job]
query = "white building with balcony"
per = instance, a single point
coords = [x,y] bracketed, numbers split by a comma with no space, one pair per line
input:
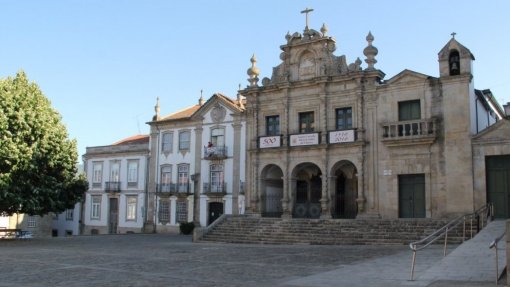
[197,168]
[115,201]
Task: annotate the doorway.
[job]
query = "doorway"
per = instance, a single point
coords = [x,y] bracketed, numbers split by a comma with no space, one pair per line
[215,211]
[498,184]
[113,216]
[308,191]
[411,196]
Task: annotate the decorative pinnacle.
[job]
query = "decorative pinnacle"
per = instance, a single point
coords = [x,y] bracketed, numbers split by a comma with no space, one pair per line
[201,101]
[370,52]
[156,109]
[324,29]
[253,72]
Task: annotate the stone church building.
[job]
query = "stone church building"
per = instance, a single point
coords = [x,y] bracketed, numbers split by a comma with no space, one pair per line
[327,138]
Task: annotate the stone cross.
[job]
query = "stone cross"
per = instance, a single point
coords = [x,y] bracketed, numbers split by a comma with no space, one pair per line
[453,34]
[306,11]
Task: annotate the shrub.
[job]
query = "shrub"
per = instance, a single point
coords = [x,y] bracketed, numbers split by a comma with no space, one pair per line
[186,227]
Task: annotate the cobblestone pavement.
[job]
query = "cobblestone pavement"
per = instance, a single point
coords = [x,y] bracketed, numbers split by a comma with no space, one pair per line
[172,260]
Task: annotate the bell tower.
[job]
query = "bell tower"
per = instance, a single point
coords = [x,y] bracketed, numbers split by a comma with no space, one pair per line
[455,59]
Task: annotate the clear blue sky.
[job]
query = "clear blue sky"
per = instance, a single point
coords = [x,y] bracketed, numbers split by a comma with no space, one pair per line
[103,63]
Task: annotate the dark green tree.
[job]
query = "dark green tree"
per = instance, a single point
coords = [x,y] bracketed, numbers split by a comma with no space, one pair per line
[38,172]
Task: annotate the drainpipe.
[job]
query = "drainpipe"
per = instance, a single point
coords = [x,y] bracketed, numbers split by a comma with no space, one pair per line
[146,201]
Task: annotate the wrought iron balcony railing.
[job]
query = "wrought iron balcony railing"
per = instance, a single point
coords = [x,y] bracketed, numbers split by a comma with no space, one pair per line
[215,152]
[112,186]
[219,187]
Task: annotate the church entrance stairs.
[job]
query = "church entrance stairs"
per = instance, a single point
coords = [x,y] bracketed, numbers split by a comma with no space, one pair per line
[248,229]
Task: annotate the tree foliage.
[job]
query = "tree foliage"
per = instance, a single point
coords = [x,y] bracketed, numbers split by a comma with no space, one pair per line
[38,172]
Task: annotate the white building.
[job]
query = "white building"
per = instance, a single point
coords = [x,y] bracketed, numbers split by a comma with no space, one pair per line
[197,156]
[115,201]
[67,223]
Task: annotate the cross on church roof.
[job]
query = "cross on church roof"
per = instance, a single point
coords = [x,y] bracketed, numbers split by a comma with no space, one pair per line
[306,11]
[453,34]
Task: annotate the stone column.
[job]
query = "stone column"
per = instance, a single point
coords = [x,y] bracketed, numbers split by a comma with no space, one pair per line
[325,211]
[150,222]
[237,167]
[196,175]
[287,194]
[332,193]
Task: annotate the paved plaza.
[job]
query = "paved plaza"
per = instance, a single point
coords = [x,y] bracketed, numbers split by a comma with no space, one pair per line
[173,260]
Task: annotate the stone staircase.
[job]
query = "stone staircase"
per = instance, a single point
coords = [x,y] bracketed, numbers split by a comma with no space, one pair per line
[249,229]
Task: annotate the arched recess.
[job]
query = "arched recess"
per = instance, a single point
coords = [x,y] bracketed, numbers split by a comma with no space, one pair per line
[272,191]
[454,63]
[306,190]
[345,190]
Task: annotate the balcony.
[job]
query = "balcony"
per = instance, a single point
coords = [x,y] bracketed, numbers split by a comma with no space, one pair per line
[167,188]
[112,186]
[216,188]
[173,188]
[421,131]
[215,152]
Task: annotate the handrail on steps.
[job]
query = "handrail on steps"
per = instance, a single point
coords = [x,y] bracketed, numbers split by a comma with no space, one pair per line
[484,213]
[494,244]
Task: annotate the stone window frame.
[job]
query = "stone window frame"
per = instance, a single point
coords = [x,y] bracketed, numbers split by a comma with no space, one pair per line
[161,167]
[181,211]
[267,117]
[131,207]
[163,211]
[111,177]
[179,175]
[69,214]
[95,211]
[336,117]
[181,148]
[314,122]
[131,183]
[167,147]
[97,174]
[31,221]
[218,127]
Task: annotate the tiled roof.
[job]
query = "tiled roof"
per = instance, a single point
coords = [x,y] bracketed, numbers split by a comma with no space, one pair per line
[185,113]
[138,139]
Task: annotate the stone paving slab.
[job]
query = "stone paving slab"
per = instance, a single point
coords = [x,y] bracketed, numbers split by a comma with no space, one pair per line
[173,260]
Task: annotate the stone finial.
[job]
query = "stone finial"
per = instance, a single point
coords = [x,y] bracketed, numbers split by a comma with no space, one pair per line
[453,35]
[201,101]
[288,36]
[324,29]
[253,72]
[370,52]
[157,110]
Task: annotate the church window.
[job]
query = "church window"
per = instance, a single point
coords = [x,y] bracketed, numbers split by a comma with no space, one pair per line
[306,122]
[272,125]
[343,118]
[454,63]
[409,110]
[218,137]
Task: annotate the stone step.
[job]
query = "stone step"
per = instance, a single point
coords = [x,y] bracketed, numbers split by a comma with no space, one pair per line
[245,229]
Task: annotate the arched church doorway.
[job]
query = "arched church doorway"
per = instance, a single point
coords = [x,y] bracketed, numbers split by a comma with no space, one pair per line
[346,190]
[272,191]
[307,191]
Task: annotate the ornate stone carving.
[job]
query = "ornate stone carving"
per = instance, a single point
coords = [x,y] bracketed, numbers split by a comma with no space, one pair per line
[218,113]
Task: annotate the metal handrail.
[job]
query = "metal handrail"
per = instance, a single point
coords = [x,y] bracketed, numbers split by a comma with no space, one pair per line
[486,210]
[494,244]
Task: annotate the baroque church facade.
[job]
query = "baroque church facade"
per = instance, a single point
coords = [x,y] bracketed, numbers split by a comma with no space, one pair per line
[329,139]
